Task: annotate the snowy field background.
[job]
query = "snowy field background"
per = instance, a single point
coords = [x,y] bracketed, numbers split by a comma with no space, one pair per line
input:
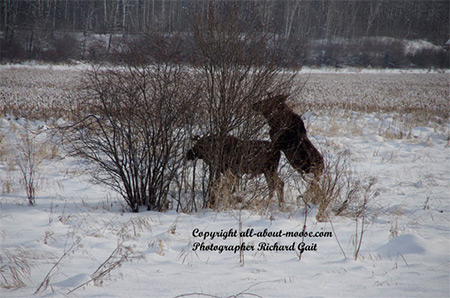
[79,241]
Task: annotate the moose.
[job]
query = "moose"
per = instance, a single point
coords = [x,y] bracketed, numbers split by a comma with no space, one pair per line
[288,134]
[240,156]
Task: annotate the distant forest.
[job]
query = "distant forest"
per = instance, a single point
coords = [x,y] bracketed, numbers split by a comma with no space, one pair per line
[319,30]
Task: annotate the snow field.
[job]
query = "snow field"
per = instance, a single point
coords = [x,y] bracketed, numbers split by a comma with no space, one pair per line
[107,252]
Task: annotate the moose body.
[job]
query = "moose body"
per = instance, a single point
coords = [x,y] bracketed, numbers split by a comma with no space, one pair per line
[288,134]
[229,153]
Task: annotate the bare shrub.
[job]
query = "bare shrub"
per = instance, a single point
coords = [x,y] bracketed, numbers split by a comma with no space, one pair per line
[131,127]
[28,157]
[62,48]
[338,192]
[327,55]
[132,131]
[430,58]
[326,190]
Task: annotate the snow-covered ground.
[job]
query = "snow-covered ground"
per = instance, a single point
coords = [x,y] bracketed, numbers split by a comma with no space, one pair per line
[78,241]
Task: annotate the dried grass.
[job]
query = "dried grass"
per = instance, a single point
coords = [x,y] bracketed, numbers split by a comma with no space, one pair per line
[423,95]
[15,267]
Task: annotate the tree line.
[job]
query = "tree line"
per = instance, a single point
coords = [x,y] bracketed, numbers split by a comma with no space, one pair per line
[27,22]
[315,19]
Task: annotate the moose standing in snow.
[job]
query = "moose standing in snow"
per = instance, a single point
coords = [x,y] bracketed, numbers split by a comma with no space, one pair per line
[240,156]
[288,134]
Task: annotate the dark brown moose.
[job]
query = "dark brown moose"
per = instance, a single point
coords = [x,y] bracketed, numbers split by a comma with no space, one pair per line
[288,134]
[240,156]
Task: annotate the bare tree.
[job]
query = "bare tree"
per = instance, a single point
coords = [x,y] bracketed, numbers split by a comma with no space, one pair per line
[236,68]
[292,7]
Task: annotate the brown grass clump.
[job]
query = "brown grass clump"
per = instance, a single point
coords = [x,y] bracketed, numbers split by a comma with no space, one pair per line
[15,268]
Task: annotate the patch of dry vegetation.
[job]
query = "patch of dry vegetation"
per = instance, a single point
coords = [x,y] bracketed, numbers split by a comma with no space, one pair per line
[41,93]
[37,93]
[424,95]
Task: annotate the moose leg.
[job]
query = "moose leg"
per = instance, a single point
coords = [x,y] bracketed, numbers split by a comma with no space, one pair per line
[275,183]
[270,184]
[280,189]
[212,189]
[315,188]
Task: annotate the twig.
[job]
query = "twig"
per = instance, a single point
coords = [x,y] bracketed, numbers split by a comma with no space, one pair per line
[404,259]
[196,294]
[47,277]
[358,242]
[243,292]
[98,274]
[304,228]
[335,235]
